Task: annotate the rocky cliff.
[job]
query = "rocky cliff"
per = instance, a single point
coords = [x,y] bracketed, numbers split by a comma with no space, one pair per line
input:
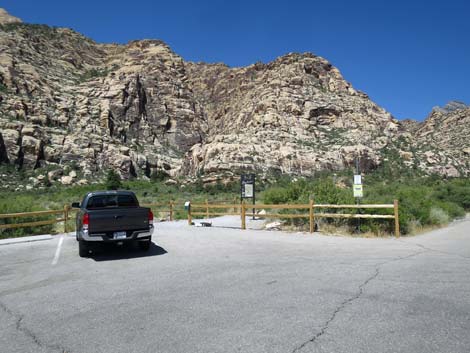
[441,144]
[67,102]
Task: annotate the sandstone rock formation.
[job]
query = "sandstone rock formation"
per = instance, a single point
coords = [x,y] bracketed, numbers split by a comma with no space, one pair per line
[6,18]
[442,142]
[67,102]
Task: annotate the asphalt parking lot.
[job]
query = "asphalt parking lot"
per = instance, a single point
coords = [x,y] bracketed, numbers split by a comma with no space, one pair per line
[220,289]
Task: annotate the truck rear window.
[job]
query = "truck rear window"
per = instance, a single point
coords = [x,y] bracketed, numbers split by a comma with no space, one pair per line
[107,201]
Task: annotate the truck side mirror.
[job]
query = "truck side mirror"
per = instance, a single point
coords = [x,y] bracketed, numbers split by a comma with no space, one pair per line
[75,204]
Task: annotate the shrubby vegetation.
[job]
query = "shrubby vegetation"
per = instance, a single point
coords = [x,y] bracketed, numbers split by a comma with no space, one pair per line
[113,180]
[93,73]
[29,29]
[424,201]
[56,196]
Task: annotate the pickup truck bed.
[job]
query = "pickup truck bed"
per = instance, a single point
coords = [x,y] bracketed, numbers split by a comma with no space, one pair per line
[118,219]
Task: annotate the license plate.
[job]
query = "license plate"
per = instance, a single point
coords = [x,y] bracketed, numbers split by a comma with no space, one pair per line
[119,235]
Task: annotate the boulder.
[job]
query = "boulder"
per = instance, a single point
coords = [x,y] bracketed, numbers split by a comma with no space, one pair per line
[82,182]
[54,174]
[273,226]
[171,182]
[66,180]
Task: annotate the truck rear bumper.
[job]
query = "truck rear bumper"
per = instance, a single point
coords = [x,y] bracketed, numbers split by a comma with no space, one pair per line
[103,237]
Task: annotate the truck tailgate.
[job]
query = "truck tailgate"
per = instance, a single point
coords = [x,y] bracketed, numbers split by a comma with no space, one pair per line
[118,219]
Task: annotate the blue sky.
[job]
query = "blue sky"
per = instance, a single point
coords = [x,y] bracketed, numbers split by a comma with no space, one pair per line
[408,56]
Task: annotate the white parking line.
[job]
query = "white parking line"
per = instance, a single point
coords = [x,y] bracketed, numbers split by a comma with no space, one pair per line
[57,252]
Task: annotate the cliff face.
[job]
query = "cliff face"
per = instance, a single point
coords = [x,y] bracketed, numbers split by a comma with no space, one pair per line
[66,99]
[442,141]
[141,109]
[294,115]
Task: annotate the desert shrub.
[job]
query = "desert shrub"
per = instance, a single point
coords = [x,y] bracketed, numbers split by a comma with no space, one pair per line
[3,88]
[276,195]
[456,191]
[113,180]
[93,73]
[423,201]
[159,175]
[437,216]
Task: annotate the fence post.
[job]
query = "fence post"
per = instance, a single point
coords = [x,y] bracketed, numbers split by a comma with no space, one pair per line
[171,211]
[397,221]
[207,208]
[235,205]
[66,217]
[243,214]
[190,220]
[312,217]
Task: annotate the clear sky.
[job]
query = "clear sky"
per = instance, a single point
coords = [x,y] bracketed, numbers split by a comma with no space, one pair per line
[408,56]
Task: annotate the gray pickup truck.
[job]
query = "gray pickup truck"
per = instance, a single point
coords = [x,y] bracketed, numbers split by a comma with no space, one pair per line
[112,217]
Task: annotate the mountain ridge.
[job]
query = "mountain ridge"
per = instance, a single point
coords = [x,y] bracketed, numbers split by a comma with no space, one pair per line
[139,108]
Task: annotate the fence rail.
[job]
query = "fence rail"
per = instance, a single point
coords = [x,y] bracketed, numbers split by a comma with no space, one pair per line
[64,213]
[155,205]
[311,215]
[65,216]
[236,209]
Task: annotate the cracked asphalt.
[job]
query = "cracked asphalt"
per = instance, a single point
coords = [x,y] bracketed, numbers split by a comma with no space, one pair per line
[220,289]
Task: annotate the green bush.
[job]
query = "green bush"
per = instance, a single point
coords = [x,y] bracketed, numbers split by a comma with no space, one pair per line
[423,201]
[113,180]
[276,195]
[93,73]
[437,216]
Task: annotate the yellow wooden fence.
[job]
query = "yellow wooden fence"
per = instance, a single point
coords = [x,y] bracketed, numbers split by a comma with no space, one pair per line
[204,209]
[156,206]
[235,209]
[63,215]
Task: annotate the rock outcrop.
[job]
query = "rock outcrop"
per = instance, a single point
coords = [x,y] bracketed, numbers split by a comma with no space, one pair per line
[67,102]
[442,142]
[6,18]
[295,115]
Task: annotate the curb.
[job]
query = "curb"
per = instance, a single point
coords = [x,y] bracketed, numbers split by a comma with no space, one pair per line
[25,239]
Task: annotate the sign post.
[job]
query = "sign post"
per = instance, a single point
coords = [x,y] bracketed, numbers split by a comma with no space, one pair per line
[358,192]
[247,188]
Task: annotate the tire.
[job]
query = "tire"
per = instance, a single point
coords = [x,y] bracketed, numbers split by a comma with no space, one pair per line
[144,245]
[83,250]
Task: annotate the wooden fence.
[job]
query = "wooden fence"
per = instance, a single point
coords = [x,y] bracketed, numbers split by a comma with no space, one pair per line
[311,215]
[234,209]
[64,215]
[157,208]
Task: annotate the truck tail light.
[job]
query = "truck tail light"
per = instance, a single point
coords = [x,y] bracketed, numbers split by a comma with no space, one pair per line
[150,217]
[86,221]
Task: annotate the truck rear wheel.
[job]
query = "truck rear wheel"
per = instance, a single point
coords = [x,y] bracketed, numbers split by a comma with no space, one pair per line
[83,250]
[144,245]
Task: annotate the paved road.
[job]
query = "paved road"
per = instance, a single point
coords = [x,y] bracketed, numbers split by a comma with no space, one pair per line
[226,290]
